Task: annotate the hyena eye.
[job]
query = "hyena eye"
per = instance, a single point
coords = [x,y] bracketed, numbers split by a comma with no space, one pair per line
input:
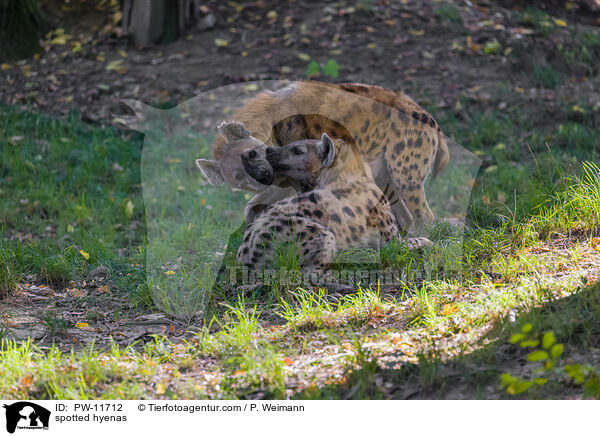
[298,151]
[252,154]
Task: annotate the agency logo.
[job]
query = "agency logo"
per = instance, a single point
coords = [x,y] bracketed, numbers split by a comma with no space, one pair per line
[26,415]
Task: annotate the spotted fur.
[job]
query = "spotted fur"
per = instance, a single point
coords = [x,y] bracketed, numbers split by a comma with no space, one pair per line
[346,209]
[399,140]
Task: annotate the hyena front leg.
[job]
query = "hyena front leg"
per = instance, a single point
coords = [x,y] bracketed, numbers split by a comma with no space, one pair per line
[384,179]
[317,251]
[408,198]
[382,218]
[316,244]
[415,200]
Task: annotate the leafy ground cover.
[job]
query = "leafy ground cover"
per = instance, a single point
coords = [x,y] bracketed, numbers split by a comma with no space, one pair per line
[77,316]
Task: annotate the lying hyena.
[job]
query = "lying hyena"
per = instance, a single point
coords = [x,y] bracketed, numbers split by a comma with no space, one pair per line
[398,139]
[346,208]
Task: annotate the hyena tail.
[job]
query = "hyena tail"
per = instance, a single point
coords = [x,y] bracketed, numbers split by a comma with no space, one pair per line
[442,157]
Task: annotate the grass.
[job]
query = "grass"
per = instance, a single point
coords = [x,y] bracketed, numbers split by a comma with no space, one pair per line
[64,193]
[547,76]
[448,13]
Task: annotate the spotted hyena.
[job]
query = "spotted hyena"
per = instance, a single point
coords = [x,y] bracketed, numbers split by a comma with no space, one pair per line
[401,143]
[346,208]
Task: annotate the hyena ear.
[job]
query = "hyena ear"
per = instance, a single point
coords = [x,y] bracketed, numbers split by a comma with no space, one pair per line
[327,150]
[211,171]
[233,131]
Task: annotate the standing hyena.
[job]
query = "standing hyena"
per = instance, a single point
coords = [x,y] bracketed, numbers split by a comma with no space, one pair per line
[398,139]
[346,208]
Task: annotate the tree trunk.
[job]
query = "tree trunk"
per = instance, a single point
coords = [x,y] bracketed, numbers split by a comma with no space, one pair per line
[151,21]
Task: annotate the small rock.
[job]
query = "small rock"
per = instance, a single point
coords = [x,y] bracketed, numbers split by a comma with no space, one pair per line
[98,274]
[208,22]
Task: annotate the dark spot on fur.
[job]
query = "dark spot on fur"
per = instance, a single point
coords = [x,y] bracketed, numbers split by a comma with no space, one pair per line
[399,147]
[348,211]
[365,126]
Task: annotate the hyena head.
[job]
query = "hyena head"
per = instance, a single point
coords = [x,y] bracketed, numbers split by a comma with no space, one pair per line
[256,164]
[232,167]
[302,160]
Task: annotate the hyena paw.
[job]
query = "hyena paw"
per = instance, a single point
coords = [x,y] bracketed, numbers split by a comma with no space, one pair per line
[418,243]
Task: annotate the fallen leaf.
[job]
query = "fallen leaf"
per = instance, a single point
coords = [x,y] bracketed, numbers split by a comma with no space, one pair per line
[219,42]
[14,139]
[80,325]
[103,289]
[129,209]
[305,57]
[596,244]
[288,361]
[160,388]
[449,309]
[5,67]
[561,23]
[85,255]
[77,292]
[59,40]
[251,87]
[117,66]
[27,381]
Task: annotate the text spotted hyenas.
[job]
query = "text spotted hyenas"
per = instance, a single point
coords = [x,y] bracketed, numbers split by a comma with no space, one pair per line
[345,209]
[399,140]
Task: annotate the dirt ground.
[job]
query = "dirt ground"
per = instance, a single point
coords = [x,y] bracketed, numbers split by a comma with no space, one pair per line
[403,44]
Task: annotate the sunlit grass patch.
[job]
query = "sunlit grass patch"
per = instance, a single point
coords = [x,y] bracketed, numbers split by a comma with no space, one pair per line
[309,311]
[575,210]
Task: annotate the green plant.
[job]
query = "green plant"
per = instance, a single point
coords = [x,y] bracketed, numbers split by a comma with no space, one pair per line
[448,13]
[55,324]
[331,68]
[9,273]
[539,19]
[547,76]
[547,352]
